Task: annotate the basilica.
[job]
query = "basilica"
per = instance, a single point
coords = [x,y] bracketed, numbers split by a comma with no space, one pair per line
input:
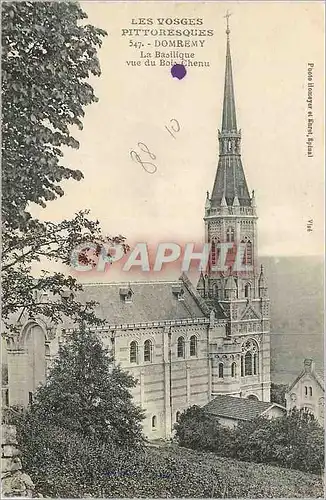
[184,344]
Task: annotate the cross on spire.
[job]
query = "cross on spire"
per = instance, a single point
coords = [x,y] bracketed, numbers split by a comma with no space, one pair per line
[227,15]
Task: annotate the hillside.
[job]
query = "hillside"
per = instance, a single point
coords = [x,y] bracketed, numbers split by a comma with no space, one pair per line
[296,294]
[180,472]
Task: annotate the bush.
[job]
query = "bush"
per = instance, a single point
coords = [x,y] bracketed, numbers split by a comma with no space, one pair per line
[198,430]
[65,464]
[295,441]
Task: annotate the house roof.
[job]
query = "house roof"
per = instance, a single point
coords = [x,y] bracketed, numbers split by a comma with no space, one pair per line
[150,301]
[315,374]
[238,408]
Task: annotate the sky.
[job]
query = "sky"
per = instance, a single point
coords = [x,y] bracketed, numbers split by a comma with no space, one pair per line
[272,45]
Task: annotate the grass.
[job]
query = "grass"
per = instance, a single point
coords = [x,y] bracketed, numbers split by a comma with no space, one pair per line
[243,479]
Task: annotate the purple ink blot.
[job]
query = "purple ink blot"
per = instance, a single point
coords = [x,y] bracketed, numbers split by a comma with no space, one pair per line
[178,71]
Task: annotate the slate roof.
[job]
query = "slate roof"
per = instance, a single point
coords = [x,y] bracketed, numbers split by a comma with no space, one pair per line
[237,408]
[150,301]
[318,375]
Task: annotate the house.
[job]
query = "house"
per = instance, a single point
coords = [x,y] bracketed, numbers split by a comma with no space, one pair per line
[308,391]
[231,410]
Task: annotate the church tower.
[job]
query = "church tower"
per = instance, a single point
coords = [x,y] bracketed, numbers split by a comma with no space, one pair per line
[233,281]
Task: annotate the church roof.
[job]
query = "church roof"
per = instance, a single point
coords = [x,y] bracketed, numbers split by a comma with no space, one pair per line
[229,120]
[238,408]
[149,301]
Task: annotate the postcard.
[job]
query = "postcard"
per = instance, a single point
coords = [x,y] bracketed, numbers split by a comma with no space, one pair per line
[163,249]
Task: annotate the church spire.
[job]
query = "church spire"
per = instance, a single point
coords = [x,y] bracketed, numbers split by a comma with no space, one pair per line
[230,182]
[229,120]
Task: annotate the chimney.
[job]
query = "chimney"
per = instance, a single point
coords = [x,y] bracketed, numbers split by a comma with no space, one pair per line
[308,365]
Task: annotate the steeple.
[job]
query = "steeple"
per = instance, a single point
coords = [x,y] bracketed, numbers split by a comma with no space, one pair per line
[230,181]
[229,120]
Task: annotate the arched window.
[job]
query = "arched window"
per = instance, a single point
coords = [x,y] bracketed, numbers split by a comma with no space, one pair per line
[253,397]
[181,347]
[133,351]
[154,422]
[242,366]
[148,350]
[255,364]
[247,256]
[193,345]
[220,370]
[306,390]
[247,290]
[310,391]
[177,416]
[248,363]
[233,370]
[213,253]
[230,234]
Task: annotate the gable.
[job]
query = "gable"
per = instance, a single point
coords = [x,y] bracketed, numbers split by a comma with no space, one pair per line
[307,376]
[250,313]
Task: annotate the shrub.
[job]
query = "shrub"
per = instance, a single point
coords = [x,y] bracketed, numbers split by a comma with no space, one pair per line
[295,441]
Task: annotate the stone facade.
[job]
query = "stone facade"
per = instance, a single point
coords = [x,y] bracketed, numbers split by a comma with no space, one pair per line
[14,482]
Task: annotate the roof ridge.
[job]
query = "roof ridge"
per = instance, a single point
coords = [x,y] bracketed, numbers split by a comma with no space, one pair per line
[128,282]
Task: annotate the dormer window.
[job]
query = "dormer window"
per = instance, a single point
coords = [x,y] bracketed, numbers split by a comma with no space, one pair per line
[126,294]
[178,291]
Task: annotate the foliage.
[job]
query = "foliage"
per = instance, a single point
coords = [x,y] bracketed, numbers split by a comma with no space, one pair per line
[23,294]
[87,394]
[295,441]
[199,430]
[66,465]
[48,55]
[278,393]
[47,58]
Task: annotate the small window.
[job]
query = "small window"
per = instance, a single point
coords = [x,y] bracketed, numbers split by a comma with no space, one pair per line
[177,416]
[306,390]
[133,352]
[220,370]
[148,351]
[213,253]
[30,398]
[310,391]
[247,290]
[181,347]
[230,234]
[233,370]
[255,364]
[6,397]
[247,258]
[242,366]
[193,345]
[154,422]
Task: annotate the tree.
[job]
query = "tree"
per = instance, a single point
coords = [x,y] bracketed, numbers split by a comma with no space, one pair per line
[198,430]
[47,58]
[87,394]
[278,393]
[48,55]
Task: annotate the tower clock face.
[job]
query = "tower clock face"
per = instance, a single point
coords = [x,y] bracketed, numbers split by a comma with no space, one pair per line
[293,397]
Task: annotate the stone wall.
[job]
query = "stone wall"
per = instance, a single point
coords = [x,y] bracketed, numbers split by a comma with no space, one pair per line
[14,482]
